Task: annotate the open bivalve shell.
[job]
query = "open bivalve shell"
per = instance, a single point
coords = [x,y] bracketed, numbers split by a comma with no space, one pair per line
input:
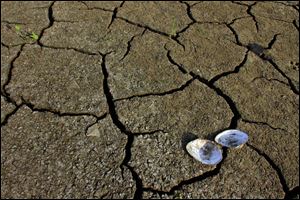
[205,151]
[232,138]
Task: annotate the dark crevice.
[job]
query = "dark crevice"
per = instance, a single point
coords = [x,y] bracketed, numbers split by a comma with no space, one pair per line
[84,4]
[249,12]
[271,79]
[229,101]
[129,45]
[121,127]
[235,34]
[262,123]
[8,99]
[109,98]
[181,88]
[292,194]
[139,183]
[271,43]
[175,38]
[274,166]
[295,24]
[202,177]
[296,7]
[270,60]
[188,11]
[259,51]
[9,76]
[69,48]
[193,21]
[253,17]
[10,114]
[143,26]
[114,15]
[236,70]
[231,104]
[58,113]
[235,19]
[5,45]
[179,66]
[98,119]
[184,29]
[51,21]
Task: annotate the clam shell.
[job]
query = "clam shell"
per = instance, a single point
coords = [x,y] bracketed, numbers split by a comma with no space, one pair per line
[205,151]
[232,138]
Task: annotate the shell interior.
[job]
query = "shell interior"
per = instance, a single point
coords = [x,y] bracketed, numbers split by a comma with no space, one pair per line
[232,138]
[204,151]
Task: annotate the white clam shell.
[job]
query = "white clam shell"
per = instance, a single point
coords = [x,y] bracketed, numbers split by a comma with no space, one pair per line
[232,138]
[204,151]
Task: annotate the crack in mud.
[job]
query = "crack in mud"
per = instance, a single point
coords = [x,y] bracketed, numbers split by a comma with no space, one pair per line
[10,71]
[129,44]
[114,15]
[271,43]
[273,165]
[181,88]
[51,21]
[69,48]
[249,12]
[121,127]
[236,70]
[229,101]
[188,11]
[5,121]
[292,194]
[202,177]
[271,79]
[270,60]
[179,66]
[236,36]
[258,50]
[252,15]
[5,45]
[262,123]
[152,30]
[295,24]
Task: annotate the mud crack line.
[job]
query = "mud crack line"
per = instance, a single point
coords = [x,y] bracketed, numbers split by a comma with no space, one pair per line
[292,194]
[274,166]
[229,101]
[9,76]
[129,44]
[202,177]
[181,88]
[270,60]
[121,127]
[51,21]
[114,15]
[236,70]
[153,30]
[262,123]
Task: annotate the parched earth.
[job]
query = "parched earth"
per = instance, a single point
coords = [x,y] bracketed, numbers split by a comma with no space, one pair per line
[98,97]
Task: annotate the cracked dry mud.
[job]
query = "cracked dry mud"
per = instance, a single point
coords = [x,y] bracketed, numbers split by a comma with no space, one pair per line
[99,105]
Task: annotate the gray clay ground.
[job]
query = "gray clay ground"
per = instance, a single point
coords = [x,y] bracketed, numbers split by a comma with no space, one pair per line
[98,106]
